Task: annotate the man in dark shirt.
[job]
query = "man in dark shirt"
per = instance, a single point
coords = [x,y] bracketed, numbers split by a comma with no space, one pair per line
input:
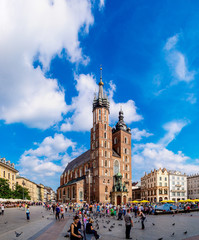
[128,223]
[57,210]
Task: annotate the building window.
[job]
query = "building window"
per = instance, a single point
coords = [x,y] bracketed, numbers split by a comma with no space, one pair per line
[116,167]
[165,184]
[105,144]
[160,191]
[105,135]
[8,175]
[99,114]
[105,163]
[165,179]
[80,195]
[115,140]
[80,172]
[102,162]
[12,177]
[73,192]
[102,143]
[4,174]
[165,191]
[126,140]
[106,172]
[105,126]
[106,189]
[126,176]
[160,184]
[160,178]
[126,167]
[105,153]
[105,115]
[64,191]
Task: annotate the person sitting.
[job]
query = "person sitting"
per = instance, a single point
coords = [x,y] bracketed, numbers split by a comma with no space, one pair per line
[75,234]
[90,229]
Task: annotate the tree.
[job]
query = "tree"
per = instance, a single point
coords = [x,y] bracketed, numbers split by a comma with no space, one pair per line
[5,191]
[19,191]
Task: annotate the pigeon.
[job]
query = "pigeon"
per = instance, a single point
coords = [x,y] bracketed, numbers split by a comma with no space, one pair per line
[172,234]
[18,234]
[111,226]
[119,224]
[110,230]
[5,222]
[42,216]
[191,215]
[47,218]
[173,224]
[160,238]
[185,232]
[173,215]
[104,226]
[113,223]
[153,224]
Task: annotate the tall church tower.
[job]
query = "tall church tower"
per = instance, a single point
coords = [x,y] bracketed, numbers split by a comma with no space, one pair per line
[101,148]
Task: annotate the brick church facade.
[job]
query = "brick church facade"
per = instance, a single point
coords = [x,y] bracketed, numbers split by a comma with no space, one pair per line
[103,173]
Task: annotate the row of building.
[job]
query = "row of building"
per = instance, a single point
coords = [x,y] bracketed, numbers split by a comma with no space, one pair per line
[37,192]
[162,184]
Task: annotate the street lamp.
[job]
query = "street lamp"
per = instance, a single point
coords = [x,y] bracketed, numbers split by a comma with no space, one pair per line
[23,183]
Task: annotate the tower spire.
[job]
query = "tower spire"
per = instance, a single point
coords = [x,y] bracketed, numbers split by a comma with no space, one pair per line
[101,84]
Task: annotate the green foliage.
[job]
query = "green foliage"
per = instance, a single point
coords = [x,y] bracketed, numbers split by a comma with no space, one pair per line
[6,192]
[19,191]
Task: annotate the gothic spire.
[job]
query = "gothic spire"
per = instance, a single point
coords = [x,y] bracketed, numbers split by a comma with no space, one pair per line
[101,84]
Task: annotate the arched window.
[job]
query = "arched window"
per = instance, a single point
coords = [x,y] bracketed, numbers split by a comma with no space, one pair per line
[99,114]
[116,167]
[105,126]
[105,163]
[105,144]
[68,193]
[80,195]
[126,159]
[106,189]
[105,115]
[126,167]
[105,154]
[73,192]
[105,135]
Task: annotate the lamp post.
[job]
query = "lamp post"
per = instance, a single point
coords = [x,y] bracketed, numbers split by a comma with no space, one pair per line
[23,183]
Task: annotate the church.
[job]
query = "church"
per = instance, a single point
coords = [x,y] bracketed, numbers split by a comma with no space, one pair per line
[103,173]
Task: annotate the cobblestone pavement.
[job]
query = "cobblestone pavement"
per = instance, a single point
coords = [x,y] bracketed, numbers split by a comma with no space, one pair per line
[40,228]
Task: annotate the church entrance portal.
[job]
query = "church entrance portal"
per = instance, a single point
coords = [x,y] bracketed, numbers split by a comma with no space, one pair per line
[118,200]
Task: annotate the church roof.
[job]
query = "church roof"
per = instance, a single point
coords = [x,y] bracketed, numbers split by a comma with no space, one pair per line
[72,181]
[115,154]
[83,158]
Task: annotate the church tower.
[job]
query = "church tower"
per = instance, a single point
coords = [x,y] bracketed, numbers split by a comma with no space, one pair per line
[101,148]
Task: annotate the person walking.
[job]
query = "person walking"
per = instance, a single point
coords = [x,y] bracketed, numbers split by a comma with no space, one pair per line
[143,217]
[2,209]
[28,213]
[57,212]
[62,212]
[128,223]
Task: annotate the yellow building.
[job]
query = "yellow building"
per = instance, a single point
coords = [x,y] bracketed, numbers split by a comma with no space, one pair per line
[8,171]
[40,192]
[154,186]
[31,186]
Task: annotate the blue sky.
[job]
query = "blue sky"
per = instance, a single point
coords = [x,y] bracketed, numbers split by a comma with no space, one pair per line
[49,70]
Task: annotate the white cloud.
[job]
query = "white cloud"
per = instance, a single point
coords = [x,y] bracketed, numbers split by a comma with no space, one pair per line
[177,61]
[101,4]
[155,155]
[137,135]
[191,98]
[48,159]
[81,106]
[32,30]
[173,128]
[171,42]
